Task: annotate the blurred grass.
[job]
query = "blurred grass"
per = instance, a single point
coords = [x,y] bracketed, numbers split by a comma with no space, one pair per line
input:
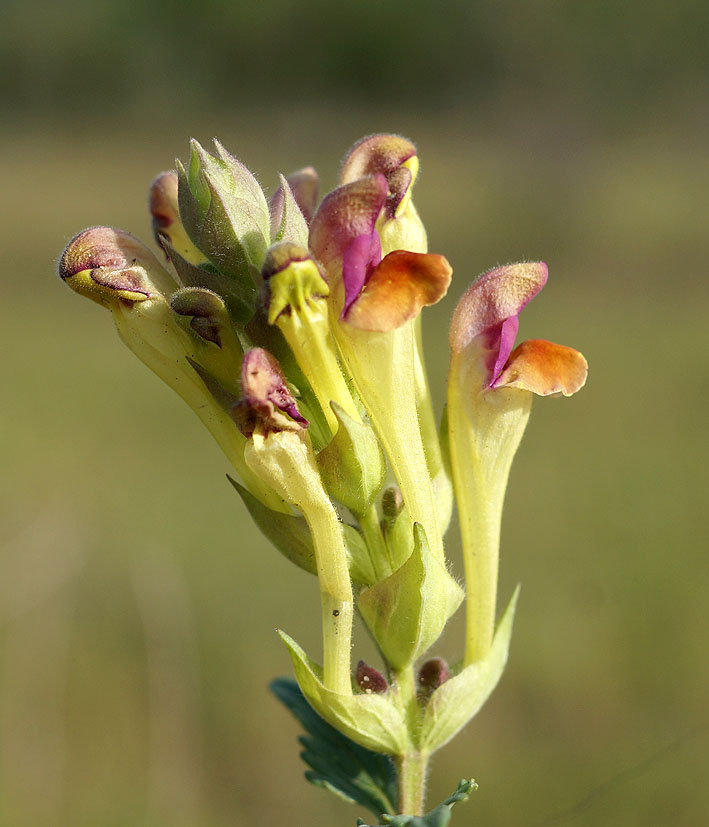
[137,603]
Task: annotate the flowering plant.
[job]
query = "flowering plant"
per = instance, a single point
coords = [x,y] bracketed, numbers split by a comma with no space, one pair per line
[293,331]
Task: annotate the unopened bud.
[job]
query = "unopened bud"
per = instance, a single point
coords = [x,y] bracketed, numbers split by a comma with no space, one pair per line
[392,502]
[432,674]
[224,212]
[108,265]
[168,228]
[208,312]
[369,680]
[218,348]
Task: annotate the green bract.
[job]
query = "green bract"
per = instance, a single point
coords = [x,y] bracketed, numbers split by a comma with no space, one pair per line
[406,612]
[224,211]
[353,466]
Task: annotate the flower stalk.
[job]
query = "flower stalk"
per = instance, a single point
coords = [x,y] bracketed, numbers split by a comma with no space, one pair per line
[286,461]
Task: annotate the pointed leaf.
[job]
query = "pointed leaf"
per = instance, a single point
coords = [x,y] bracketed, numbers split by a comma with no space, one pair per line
[338,764]
[458,700]
[373,721]
[287,221]
[288,533]
[360,563]
[438,817]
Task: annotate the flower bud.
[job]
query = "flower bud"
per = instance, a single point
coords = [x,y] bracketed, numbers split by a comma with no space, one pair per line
[109,265]
[369,680]
[168,229]
[392,503]
[432,674]
[218,347]
[207,312]
[224,212]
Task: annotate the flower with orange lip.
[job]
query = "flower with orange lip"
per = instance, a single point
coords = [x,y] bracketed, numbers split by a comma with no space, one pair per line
[486,321]
[380,293]
[490,391]
[375,300]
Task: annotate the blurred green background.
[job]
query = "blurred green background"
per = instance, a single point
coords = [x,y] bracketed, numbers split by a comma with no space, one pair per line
[137,603]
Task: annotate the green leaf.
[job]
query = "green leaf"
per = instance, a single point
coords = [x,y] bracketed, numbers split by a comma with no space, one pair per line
[288,533]
[360,563]
[438,817]
[224,212]
[338,764]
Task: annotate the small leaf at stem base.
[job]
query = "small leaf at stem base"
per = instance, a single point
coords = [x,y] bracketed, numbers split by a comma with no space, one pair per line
[438,817]
[338,764]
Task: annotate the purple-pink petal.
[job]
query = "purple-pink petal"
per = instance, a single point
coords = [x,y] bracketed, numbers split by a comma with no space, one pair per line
[508,334]
[493,298]
[347,212]
[358,261]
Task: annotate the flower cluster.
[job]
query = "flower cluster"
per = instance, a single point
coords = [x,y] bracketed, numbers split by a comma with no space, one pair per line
[293,331]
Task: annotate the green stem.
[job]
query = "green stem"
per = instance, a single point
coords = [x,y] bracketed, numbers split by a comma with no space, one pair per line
[286,461]
[336,598]
[412,766]
[379,556]
[412,770]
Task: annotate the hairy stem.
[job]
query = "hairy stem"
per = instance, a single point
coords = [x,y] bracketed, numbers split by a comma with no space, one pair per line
[412,766]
